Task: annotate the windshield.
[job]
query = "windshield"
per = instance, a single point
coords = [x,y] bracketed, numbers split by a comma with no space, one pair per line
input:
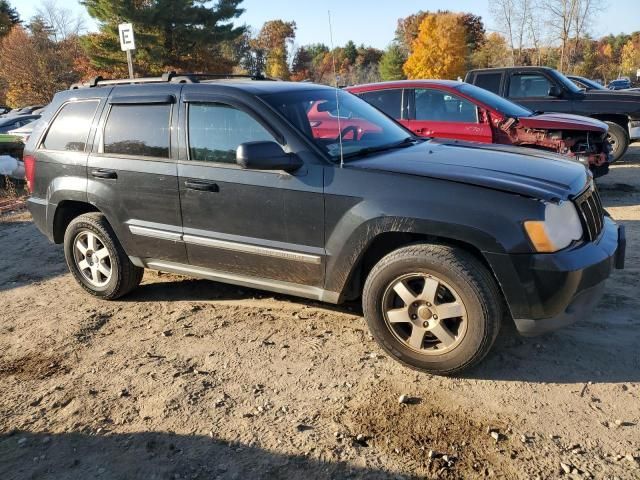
[568,84]
[494,101]
[363,128]
[591,83]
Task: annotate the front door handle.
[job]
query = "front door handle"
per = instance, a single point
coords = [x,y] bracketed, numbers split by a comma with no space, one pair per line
[201,186]
[102,173]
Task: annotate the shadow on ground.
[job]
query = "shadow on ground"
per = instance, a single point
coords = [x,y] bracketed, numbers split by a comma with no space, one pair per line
[27,256]
[150,455]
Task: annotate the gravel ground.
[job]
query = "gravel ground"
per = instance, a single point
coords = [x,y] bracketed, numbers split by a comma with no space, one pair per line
[192,379]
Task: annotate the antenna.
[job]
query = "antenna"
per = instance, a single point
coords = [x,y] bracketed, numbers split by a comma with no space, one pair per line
[335,77]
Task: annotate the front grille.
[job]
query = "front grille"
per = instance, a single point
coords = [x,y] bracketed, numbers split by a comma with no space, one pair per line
[591,212]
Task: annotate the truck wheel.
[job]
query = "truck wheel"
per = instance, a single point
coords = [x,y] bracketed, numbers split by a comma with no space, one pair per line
[433,308]
[618,138]
[97,260]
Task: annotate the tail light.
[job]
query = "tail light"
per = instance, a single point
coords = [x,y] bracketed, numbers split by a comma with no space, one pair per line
[30,171]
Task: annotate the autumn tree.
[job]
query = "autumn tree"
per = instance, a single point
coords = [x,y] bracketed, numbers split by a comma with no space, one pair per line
[440,49]
[630,58]
[34,65]
[391,63]
[273,39]
[494,52]
[568,21]
[184,35]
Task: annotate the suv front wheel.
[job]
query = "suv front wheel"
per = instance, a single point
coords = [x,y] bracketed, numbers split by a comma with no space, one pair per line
[97,260]
[434,308]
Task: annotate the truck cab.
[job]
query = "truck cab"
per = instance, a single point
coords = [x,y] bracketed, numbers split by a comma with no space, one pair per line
[547,90]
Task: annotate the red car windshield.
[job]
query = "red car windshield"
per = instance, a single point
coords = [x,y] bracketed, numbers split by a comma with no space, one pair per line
[316,114]
[494,101]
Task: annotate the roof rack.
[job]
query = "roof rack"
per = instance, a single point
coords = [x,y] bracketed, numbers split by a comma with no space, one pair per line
[167,77]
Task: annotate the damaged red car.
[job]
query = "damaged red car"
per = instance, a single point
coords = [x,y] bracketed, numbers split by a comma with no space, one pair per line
[458,110]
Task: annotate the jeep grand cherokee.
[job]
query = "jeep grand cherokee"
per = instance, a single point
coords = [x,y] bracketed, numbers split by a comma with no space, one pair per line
[227,180]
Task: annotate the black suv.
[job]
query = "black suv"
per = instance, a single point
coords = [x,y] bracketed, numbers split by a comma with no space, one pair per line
[230,180]
[547,90]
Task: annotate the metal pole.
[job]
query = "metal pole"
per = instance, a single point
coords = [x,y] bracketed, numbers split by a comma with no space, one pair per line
[130,63]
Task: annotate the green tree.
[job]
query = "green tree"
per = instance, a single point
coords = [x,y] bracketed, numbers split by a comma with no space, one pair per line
[8,17]
[185,35]
[391,63]
[351,52]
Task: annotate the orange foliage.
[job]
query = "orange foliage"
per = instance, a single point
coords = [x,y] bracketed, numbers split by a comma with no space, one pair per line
[440,49]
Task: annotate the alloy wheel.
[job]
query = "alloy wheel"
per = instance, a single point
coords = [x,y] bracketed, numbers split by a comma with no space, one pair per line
[92,258]
[425,313]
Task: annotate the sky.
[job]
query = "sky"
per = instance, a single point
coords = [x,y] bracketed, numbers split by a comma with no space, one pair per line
[366,21]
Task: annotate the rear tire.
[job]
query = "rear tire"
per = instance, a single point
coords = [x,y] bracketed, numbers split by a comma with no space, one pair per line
[434,308]
[97,260]
[619,140]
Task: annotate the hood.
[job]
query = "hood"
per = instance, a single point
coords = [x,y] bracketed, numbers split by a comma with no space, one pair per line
[563,121]
[501,167]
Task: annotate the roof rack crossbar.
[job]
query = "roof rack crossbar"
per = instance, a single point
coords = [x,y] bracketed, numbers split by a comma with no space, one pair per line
[166,77]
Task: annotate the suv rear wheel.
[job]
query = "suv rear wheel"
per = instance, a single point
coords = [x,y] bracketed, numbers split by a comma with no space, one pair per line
[97,260]
[434,308]
[618,139]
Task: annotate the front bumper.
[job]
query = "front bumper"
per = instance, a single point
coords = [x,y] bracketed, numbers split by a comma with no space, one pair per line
[548,291]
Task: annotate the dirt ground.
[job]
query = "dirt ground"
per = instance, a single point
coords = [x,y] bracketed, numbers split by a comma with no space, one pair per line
[189,379]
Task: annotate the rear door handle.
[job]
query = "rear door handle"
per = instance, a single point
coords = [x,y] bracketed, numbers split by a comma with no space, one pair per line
[201,186]
[102,173]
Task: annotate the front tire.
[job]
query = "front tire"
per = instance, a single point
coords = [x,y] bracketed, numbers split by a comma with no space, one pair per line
[434,308]
[618,138]
[97,260]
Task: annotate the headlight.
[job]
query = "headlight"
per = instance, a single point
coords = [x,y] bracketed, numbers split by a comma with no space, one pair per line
[560,227]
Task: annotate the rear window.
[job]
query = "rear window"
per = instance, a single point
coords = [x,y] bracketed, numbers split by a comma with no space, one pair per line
[489,81]
[70,129]
[141,130]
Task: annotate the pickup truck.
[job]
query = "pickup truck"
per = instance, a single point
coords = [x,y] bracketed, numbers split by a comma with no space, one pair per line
[547,90]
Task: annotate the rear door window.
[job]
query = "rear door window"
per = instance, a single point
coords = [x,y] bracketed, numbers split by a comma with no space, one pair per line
[389,101]
[441,106]
[139,130]
[70,128]
[489,81]
[523,85]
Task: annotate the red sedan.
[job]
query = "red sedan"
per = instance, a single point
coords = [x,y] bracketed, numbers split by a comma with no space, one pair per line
[457,110]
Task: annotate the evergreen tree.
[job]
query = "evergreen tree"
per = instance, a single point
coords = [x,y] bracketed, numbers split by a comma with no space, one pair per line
[8,17]
[351,52]
[185,35]
[391,63]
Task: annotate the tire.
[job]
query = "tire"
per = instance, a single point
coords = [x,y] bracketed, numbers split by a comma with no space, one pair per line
[108,273]
[618,139]
[461,279]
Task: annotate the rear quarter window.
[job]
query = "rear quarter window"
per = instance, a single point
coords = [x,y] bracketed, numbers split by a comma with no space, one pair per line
[70,128]
[489,81]
[140,130]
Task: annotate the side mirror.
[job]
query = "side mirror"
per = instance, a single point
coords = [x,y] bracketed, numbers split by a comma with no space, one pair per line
[266,156]
[555,91]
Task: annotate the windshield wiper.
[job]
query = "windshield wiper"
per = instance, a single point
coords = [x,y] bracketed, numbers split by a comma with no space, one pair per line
[407,142]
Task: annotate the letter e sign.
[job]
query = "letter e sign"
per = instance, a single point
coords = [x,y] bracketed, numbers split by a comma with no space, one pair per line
[127,42]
